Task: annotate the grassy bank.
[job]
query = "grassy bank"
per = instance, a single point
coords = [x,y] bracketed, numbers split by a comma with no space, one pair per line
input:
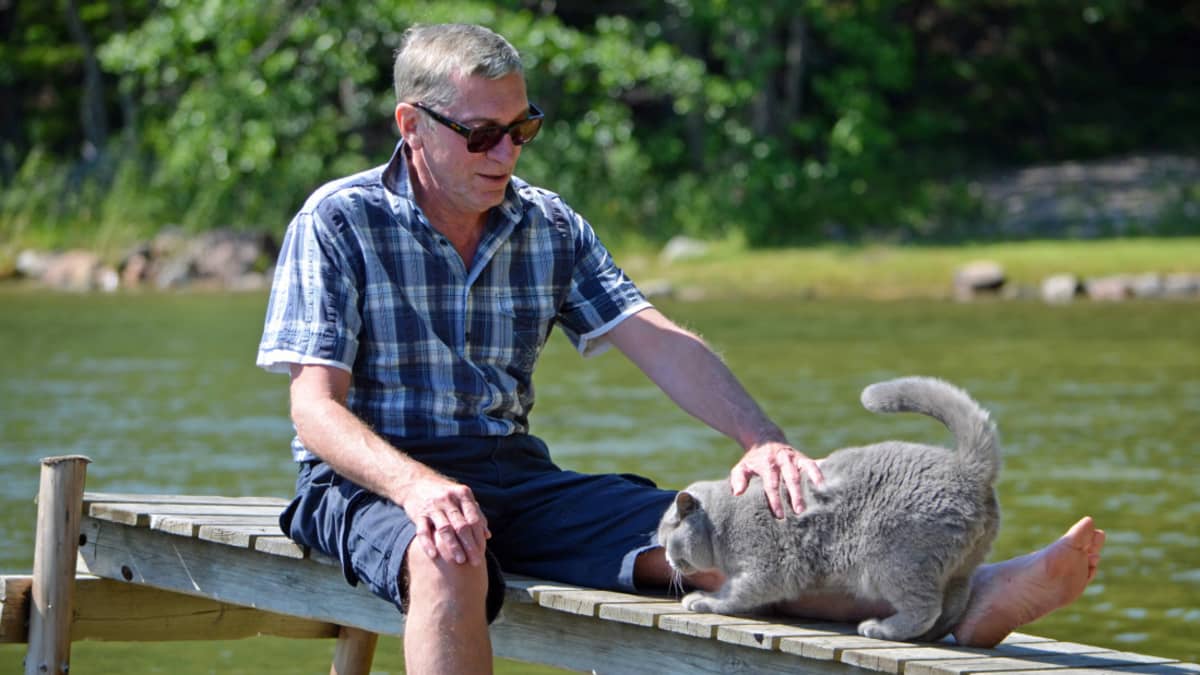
[886,272]
[730,269]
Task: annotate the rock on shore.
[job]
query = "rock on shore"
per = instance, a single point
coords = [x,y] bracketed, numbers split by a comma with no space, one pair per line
[217,259]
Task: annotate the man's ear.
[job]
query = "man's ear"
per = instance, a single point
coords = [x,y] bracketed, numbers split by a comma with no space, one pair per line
[407,121]
[685,503]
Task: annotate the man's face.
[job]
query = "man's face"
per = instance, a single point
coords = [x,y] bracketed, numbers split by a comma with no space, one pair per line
[471,183]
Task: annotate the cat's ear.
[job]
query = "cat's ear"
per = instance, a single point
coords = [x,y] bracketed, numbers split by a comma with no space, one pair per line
[685,503]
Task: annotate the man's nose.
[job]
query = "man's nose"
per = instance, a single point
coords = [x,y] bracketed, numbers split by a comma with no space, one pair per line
[505,150]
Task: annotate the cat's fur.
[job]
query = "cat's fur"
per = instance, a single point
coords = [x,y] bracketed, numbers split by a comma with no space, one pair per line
[898,522]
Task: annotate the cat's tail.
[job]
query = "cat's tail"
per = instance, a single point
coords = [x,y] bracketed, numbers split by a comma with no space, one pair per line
[978,445]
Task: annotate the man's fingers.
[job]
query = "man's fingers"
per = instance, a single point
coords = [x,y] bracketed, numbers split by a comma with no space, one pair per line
[795,487]
[770,481]
[425,538]
[446,538]
[739,478]
[813,471]
[466,535]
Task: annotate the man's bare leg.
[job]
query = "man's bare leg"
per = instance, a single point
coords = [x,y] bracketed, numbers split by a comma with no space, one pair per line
[445,630]
[1006,595]
[1010,594]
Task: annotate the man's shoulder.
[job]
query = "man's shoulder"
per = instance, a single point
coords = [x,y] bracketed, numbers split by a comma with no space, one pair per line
[362,185]
[550,204]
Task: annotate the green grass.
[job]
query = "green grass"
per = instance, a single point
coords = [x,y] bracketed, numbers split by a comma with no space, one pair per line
[886,272]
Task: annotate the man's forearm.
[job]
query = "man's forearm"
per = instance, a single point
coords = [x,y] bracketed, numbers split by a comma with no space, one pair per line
[347,444]
[695,378]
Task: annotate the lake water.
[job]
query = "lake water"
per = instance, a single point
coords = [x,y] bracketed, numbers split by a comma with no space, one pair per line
[1098,406]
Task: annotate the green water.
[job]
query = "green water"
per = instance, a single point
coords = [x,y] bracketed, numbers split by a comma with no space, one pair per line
[1099,407]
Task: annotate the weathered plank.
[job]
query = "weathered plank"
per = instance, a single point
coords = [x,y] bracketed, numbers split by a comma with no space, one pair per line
[189,526]
[112,610]
[139,514]
[639,613]
[587,602]
[238,576]
[766,636]
[90,498]
[242,536]
[285,548]
[704,625]
[528,632]
[1105,659]
[835,646]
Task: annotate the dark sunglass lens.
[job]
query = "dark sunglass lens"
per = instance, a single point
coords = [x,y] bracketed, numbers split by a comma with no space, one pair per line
[525,131]
[484,138]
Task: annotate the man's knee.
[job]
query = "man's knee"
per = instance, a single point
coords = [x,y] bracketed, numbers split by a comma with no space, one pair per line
[443,581]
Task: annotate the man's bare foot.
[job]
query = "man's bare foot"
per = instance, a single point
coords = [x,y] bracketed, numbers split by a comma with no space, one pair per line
[1012,593]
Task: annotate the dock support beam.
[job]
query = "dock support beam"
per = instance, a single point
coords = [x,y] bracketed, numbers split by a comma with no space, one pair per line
[354,652]
[56,545]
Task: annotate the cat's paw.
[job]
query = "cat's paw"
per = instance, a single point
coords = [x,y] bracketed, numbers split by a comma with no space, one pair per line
[697,602]
[874,628]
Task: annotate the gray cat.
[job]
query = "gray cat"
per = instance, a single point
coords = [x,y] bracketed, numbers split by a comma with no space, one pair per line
[899,523]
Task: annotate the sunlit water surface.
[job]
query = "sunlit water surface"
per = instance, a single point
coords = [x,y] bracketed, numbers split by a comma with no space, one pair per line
[1098,405]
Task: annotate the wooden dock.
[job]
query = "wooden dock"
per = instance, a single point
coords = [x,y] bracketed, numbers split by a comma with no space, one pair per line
[171,567]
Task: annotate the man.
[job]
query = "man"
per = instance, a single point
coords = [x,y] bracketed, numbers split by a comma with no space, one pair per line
[409,307]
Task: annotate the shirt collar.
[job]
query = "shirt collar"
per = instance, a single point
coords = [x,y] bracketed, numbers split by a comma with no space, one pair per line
[395,178]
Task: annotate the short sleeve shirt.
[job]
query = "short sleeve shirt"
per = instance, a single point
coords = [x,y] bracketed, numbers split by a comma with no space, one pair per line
[434,348]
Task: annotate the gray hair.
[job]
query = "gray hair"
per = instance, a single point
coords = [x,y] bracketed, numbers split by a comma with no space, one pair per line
[430,55]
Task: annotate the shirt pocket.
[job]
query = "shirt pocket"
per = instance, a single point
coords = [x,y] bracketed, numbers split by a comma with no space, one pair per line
[530,318]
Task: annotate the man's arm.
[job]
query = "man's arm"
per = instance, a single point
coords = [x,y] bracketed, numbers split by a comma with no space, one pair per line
[449,521]
[684,367]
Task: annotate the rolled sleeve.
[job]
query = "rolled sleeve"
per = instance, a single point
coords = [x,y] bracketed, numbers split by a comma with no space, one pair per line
[312,315]
[600,295]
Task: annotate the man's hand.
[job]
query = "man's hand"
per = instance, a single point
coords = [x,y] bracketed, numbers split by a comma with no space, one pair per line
[449,521]
[769,461]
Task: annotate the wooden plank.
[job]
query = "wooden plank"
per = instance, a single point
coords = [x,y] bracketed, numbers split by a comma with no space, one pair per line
[587,602]
[14,608]
[90,498]
[111,610]
[835,646]
[766,636]
[285,548]
[189,526]
[704,625]
[1107,659]
[56,545]
[639,613]
[242,536]
[139,514]
[237,576]
[528,632]
[895,660]
[1179,668]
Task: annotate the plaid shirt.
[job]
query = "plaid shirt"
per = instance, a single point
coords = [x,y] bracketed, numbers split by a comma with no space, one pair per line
[364,283]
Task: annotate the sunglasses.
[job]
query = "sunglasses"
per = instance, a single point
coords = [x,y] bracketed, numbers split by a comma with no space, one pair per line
[482,139]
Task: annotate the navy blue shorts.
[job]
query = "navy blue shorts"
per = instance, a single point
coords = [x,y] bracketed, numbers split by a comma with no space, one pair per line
[545,522]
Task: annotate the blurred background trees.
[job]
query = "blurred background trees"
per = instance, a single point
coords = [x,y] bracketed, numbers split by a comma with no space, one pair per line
[781,121]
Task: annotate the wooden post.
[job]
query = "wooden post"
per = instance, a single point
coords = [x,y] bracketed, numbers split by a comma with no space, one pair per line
[56,545]
[354,652]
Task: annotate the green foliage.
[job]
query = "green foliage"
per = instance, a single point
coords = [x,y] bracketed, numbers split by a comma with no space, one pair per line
[775,121]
